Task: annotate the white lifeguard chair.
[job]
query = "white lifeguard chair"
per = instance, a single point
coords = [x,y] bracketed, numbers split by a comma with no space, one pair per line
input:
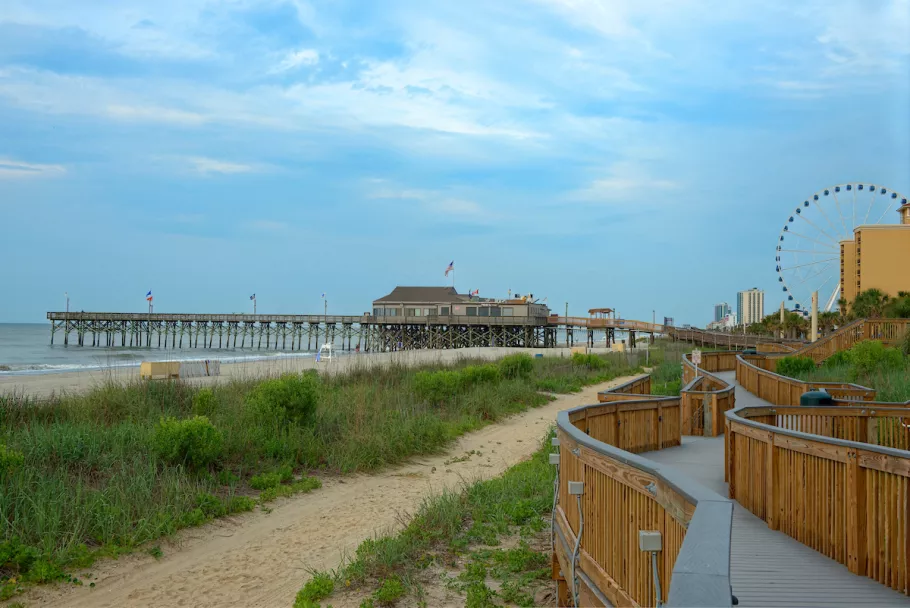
[324,354]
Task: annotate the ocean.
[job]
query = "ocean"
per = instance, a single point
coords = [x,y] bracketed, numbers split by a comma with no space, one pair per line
[25,348]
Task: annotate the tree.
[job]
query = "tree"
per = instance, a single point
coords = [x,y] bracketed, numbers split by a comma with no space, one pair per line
[870,304]
[827,321]
[899,307]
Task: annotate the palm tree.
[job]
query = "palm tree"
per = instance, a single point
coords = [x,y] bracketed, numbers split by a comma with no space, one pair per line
[827,321]
[870,304]
[843,313]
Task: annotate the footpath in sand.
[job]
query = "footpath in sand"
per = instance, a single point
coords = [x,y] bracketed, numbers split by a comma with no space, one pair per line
[262,560]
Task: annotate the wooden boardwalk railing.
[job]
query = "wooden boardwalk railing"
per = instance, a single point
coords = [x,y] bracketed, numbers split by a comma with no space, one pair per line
[614,495]
[705,399]
[889,331]
[781,390]
[848,499]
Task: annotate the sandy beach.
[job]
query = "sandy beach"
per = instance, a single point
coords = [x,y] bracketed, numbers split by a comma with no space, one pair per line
[44,385]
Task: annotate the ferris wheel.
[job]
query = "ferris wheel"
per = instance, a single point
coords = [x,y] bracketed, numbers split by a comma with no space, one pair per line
[808,247]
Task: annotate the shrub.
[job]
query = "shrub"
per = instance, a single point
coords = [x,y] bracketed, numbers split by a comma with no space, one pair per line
[265,481]
[871,355]
[204,403]
[10,460]
[794,367]
[437,386]
[194,442]
[591,361]
[905,345]
[317,588]
[479,374]
[389,592]
[838,359]
[519,365]
[290,398]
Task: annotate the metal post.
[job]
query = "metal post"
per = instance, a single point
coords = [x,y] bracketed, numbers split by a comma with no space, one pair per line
[814,335]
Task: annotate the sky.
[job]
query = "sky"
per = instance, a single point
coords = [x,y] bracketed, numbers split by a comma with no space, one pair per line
[635,154]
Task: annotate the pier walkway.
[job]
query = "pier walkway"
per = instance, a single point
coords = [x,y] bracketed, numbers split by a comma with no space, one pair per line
[768,568]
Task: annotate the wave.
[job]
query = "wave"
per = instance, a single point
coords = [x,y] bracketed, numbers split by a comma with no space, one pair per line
[45,368]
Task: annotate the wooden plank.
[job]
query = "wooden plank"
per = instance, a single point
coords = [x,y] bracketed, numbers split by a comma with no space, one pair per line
[812,448]
[748,431]
[884,463]
[856,515]
[771,488]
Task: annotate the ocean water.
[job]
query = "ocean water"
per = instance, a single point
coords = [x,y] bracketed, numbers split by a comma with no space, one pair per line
[25,348]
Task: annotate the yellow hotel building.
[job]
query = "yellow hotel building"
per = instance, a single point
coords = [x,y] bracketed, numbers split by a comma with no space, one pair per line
[877,257]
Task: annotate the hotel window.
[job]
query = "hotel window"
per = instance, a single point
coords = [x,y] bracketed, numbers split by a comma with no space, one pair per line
[391,312]
[507,311]
[444,310]
[483,312]
[429,311]
[472,311]
[378,312]
[495,311]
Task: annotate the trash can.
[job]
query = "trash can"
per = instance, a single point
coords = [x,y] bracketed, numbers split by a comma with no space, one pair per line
[816,398]
[750,351]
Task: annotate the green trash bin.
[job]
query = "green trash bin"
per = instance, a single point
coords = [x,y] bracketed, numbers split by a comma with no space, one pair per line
[750,351]
[816,398]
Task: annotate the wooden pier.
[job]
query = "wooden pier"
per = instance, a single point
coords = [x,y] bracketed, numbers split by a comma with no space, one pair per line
[347,332]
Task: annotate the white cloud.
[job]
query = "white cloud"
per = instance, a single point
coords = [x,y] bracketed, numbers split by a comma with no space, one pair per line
[295,59]
[207,166]
[15,169]
[624,182]
[436,202]
[154,114]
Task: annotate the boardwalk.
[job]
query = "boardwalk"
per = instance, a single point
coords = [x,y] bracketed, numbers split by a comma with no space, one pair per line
[769,568]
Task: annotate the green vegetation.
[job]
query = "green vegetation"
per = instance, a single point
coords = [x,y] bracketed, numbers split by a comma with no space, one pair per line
[462,529]
[792,367]
[868,363]
[104,472]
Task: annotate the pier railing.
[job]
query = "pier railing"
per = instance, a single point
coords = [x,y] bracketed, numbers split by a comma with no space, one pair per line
[826,477]
[607,495]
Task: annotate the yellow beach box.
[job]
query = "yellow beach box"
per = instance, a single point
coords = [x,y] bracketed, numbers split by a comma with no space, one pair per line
[154,370]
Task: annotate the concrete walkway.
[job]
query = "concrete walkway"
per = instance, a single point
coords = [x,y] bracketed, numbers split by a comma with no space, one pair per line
[769,568]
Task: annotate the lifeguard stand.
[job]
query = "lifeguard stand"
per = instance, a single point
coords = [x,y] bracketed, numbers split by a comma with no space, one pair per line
[324,354]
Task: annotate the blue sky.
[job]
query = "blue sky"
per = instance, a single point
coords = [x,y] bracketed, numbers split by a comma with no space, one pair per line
[639,154]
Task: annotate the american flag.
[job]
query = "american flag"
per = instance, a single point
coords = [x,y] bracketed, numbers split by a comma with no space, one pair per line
[475,292]
[148,296]
[450,268]
[253,297]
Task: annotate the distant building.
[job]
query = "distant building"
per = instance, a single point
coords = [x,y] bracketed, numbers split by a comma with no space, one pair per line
[726,323]
[412,302]
[721,310]
[875,258]
[750,306]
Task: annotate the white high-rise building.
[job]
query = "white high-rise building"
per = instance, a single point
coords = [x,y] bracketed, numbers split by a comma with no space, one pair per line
[750,306]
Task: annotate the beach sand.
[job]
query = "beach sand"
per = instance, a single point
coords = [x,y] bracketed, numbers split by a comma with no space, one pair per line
[44,385]
[261,559]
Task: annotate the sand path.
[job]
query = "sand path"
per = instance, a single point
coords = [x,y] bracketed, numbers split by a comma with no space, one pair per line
[261,560]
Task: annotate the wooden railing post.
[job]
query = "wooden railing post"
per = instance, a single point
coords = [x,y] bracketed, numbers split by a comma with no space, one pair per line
[856,515]
[772,491]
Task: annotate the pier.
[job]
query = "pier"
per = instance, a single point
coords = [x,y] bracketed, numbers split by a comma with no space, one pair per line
[367,333]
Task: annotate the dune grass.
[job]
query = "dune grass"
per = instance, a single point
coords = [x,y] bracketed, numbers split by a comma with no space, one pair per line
[106,471]
[869,364]
[456,529]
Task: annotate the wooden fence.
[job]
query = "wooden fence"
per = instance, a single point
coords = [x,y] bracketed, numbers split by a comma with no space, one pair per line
[846,498]
[705,399]
[623,494]
[888,331]
[781,390]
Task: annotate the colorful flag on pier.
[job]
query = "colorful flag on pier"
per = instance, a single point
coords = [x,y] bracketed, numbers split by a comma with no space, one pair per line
[475,292]
[148,296]
[451,267]
[253,297]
